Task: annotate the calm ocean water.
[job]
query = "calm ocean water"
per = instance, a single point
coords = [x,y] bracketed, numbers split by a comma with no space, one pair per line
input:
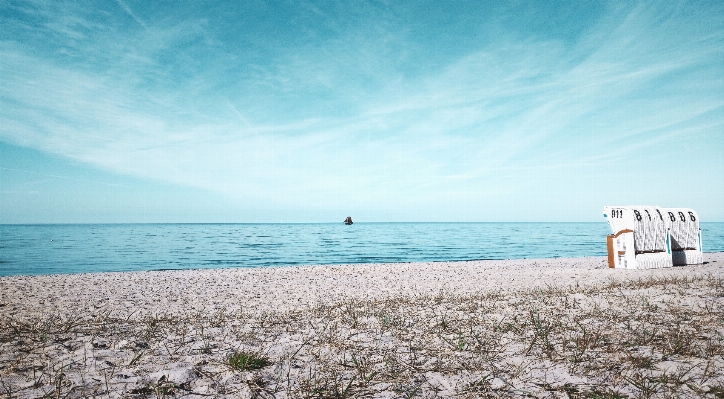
[47,249]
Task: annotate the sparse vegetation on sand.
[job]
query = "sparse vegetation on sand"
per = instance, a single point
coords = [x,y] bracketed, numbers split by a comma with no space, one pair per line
[245,361]
[643,338]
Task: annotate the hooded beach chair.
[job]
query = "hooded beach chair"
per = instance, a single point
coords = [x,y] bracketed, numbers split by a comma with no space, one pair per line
[640,238]
[683,225]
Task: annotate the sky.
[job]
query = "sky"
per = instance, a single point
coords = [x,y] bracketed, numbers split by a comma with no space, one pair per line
[310,111]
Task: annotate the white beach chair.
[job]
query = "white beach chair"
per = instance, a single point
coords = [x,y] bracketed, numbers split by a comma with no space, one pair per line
[640,238]
[686,246]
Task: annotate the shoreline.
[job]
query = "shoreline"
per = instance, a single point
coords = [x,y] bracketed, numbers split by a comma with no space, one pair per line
[542,327]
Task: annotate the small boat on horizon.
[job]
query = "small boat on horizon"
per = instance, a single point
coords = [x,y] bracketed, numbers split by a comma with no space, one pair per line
[348,221]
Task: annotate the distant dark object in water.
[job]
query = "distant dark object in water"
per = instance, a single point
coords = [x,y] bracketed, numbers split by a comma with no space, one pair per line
[348,220]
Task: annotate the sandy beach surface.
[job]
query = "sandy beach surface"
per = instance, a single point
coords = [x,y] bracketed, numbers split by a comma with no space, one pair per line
[546,328]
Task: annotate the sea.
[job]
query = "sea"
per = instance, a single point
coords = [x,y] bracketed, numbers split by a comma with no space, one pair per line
[91,248]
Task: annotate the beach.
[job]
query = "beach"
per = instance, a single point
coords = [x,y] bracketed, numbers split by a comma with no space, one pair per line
[542,327]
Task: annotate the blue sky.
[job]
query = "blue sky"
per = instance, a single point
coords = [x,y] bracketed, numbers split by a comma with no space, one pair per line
[134,111]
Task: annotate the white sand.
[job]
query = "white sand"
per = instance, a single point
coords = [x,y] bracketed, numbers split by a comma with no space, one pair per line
[288,288]
[324,328]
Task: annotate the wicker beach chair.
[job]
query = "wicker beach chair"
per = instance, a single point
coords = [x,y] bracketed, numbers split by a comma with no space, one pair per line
[640,238]
[683,223]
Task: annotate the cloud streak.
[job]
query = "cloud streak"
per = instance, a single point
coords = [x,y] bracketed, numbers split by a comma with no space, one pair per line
[128,11]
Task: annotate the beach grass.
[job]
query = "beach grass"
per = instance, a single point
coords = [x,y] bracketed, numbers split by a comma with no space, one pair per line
[640,338]
[245,361]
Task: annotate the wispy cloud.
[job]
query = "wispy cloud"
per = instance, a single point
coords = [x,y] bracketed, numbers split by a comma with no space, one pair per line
[63,177]
[128,11]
